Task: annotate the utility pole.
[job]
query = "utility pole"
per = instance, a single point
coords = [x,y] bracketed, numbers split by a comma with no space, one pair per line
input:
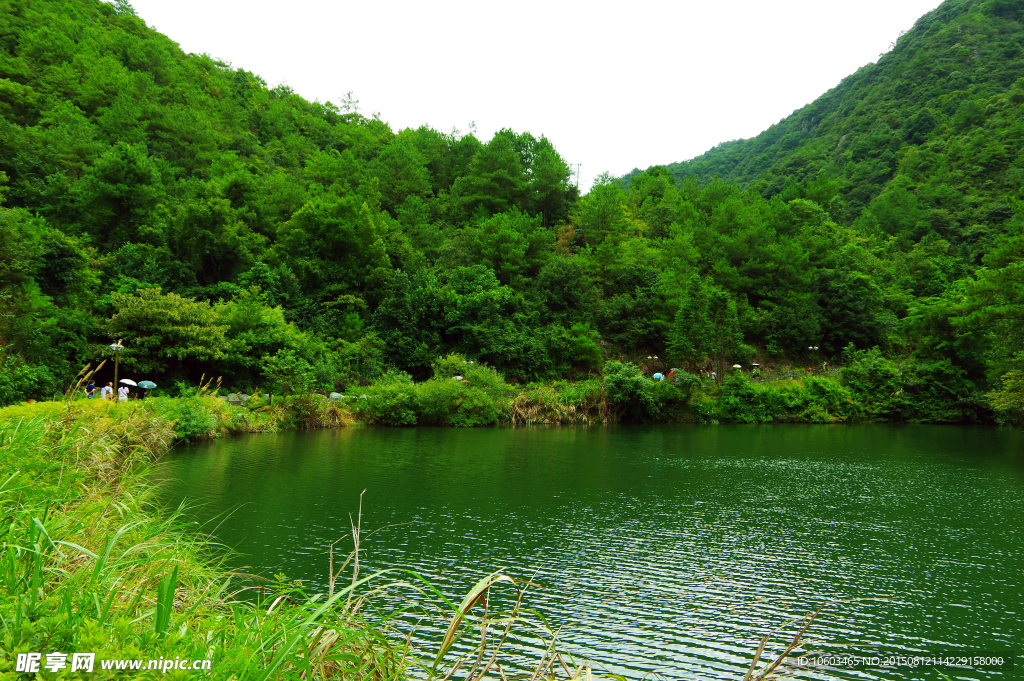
[117,348]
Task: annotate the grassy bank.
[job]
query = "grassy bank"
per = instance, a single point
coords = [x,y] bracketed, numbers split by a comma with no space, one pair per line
[90,564]
[201,415]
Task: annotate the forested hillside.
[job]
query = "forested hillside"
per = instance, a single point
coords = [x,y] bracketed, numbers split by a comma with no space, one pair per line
[222,227]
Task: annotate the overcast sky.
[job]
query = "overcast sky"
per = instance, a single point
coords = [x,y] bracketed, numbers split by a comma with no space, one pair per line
[613,86]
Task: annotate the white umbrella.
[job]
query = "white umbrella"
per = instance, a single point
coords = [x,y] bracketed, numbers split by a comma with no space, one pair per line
[736,366]
[128,381]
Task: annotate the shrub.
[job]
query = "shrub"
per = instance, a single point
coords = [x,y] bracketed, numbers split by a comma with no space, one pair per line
[559,402]
[876,382]
[19,380]
[673,398]
[193,418]
[447,402]
[478,375]
[816,400]
[1009,401]
[919,391]
[632,393]
[476,400]
[741,402]
[391,401]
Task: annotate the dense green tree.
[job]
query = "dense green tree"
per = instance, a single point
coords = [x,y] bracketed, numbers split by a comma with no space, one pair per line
[118,195]
[513,244]
[161,330]
[401,171]
[690,340]
[495,183]
[335,246]
[550,193]
[601,211]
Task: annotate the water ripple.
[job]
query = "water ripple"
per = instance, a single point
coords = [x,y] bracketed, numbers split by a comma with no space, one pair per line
[669,549]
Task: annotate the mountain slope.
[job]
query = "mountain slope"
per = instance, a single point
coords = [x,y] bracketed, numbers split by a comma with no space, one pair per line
[935,116]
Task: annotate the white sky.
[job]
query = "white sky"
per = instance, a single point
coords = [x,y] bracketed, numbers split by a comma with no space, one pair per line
[613,86]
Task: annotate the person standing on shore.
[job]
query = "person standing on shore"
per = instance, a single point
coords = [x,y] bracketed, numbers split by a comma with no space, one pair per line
[90,390]
[107,391]
[122,394]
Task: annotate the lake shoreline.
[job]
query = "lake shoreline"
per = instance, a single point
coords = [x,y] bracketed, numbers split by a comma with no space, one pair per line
[811,400]
[76,458]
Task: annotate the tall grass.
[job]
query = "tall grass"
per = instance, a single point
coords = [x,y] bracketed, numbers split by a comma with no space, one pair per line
[89,564]
[559,403]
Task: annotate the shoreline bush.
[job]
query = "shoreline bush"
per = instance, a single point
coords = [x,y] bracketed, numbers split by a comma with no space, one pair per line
[463,393]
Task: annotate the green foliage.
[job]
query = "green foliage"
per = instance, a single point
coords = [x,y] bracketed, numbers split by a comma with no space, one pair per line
[289,372]
[225,228]
[161,328]
[813,400]
[461,393]
[190,417]
[706,327]
[21,381]
[632,394]
[1008,401]
[574,350]
[392,400]
[66,558]
[920,392]
[453,403]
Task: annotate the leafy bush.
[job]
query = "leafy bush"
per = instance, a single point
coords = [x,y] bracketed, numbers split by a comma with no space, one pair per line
[920,392]
[574,350]
[632,393]
[289,370]
[741,402]
[193,418]
[815,400]
[20,380]
[391,401]
[476,374]
[454,403]
[1009,401]
[476,399]
[877,383]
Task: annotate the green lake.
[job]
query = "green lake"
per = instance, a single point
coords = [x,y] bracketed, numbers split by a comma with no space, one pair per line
[667,549]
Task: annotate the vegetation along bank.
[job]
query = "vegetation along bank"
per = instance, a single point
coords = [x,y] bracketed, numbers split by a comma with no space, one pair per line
[220,227]
[90,563]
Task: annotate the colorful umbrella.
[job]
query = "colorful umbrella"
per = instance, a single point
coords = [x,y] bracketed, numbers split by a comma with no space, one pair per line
[147,385]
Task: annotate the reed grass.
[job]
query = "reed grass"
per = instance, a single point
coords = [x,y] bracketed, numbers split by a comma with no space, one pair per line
[559,403]
[92,565]
[89,563]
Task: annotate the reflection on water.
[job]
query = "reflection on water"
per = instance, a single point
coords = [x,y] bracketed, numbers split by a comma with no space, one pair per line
[669,548]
